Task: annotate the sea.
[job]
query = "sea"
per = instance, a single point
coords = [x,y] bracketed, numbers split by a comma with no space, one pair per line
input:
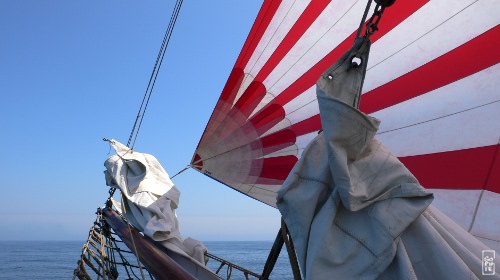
[57,259]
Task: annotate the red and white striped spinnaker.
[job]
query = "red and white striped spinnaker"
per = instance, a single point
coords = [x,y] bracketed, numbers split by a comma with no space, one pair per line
[433,80]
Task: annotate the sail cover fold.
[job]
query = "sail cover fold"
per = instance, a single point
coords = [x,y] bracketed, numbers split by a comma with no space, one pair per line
[432,80]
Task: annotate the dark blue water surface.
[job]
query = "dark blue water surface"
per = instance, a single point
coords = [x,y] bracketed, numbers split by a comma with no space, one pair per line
[57,259]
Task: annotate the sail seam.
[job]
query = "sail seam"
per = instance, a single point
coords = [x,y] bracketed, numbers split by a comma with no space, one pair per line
[423,35]
[434,119]
[475,211]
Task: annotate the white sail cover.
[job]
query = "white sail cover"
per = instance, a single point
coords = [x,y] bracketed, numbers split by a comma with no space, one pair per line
[354,211]
[433,80]
[149,199]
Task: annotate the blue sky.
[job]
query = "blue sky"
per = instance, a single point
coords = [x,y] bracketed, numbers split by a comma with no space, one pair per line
[73,72]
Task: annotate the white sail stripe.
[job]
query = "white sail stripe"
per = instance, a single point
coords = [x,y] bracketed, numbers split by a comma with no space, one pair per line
[264,193]
[470,129]
[304,140]
[397,53]
[470,92]
[459,205]
[247,80]
[487,223]
[316,43]
[285,123]
[305,98]
[283,20]
[306,111]
[288,151]
[266,100]
[245,188]
[264,189]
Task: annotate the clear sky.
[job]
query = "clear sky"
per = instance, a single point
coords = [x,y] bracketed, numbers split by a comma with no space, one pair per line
[73,72]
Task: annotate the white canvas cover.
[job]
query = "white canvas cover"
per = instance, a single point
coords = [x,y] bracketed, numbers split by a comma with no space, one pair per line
[355,212]
[149,199]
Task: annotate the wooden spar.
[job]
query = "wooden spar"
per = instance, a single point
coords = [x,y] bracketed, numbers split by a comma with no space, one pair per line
[154,259]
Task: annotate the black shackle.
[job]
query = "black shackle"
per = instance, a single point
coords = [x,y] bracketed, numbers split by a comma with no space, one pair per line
[385,3]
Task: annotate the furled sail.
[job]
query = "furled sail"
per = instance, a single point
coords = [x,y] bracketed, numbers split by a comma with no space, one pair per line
[433,80]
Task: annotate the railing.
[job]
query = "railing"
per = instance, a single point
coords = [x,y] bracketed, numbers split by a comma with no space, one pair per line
[230,267]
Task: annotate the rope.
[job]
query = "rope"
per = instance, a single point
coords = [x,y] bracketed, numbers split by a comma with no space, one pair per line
[154,74]
[98,260]
[186,168]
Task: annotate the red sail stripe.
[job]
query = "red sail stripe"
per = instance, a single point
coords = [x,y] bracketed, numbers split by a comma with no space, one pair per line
[196,162]
[310,14]
[275,141]
[398,12]
[250,99]
[235,124]
[273,168]
[268,118]
[461,169]
[266,14]
[307,126]
[232,85]
[273,115]
[467,59]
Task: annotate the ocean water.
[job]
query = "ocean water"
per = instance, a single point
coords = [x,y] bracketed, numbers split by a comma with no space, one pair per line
[57,260]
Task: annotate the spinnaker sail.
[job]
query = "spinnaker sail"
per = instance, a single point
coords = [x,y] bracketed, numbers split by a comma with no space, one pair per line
[433,80]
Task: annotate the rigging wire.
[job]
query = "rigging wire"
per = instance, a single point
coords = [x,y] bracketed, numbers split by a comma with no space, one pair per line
[154,74]
[185,168]
[146,98]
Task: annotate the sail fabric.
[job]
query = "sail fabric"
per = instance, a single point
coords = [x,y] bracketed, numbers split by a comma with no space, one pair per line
[150,199]
[355,211]
[432,80]
[381,226]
